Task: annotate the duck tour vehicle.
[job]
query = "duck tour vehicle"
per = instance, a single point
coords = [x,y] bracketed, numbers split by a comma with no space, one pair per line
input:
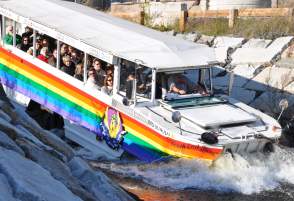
[161,102]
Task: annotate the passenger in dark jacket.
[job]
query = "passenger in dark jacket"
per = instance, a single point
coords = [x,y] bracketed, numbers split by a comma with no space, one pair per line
[25,44]
[68,67]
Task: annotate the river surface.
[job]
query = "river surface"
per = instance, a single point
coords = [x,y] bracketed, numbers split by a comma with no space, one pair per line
[248,178]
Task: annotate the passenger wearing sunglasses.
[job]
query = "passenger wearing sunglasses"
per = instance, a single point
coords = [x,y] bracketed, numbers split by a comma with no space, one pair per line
[25,44]
[108,85]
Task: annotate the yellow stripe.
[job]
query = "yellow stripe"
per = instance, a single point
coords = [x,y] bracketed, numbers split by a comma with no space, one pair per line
[50,86]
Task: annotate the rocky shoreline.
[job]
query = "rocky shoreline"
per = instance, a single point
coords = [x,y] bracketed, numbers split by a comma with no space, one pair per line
[37,165]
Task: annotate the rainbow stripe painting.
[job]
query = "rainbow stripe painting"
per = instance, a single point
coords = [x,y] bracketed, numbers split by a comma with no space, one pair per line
[88,111]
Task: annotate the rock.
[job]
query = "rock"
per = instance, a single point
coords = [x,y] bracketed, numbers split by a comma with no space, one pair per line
[56,168]
[285,63]
[271,79]
[259,55]
[223,41]
[221,54]
[8,143]
[171,33]
[256,43]
[17,132]
[207,40]
[193,37]
[281,43]
[29,181]
[96,182]
[244,73]
[46,137]
[5,190]
[253,56]
[4,116]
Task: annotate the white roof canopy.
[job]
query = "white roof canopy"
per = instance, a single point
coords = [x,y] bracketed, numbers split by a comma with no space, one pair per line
[111,35]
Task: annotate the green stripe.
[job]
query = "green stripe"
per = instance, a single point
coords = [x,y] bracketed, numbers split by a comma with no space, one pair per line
[141,142]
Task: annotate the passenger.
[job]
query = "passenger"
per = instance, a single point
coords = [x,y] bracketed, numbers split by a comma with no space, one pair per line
[45,43]
[100,73]
[25,44]
[44,54]
[180,84]
[28,33]
[71,50]
[109,69]
[63,50]
[68,67]
[53,58]
[108,85]
[9,36]
[75,58]
[79,72]
[91,81]
[38,47]
[30,51]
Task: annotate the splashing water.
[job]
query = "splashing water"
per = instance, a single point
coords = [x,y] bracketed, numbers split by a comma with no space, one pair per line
[247,175]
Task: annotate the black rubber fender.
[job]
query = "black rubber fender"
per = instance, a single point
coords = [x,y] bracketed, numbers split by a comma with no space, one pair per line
[209,137]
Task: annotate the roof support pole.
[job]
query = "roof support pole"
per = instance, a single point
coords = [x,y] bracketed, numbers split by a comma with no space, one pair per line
[34,43]
[153,85]
[58,55]
[211,82]
[14,33]
[3,28]
[85,67]
[116,77]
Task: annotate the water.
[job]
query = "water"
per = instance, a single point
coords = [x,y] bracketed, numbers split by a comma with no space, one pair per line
[233,178]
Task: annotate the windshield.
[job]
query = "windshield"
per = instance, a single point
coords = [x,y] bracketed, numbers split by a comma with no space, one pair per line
[187,84]
[197,101]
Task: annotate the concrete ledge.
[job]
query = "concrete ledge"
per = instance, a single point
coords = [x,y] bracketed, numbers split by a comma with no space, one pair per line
[244,12]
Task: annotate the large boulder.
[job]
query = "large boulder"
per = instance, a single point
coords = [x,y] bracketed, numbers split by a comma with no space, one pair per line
[56,168]
[14,132]
[8,143]
[5,190]
[37,134]
[29,181]
[96,182]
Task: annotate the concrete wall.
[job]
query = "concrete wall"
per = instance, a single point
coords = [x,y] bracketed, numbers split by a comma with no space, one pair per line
[164,13]
[231,4]
[156,13]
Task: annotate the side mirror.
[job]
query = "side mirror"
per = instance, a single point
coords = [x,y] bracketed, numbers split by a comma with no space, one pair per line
[176,116]
[283,104]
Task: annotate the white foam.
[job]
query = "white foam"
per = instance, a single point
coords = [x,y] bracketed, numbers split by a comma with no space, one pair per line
[245,175]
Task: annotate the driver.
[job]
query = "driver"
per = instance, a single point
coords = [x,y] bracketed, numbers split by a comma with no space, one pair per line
[181,85]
